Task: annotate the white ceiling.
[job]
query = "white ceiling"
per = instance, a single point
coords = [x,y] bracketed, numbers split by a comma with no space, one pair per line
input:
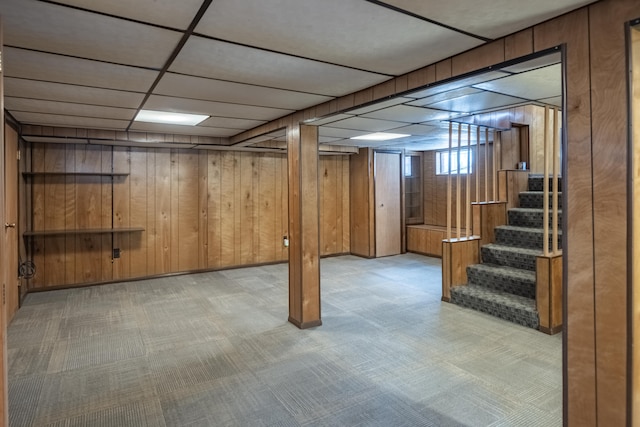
[95,63]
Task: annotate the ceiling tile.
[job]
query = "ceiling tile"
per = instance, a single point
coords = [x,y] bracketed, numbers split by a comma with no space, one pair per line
[211,108]
[183,130]
[231,123]
[380,105]
[489,18]
[70,121]
[556,101]
[532,64]
[64,69]
[329,119]
[539,83]
[221,91]
[385,42]
[70,93]
[457,84]
[226,61]
[65,108]
[168,13]
[417,130]
[366,125]
[409,114]
[444,96]
[339,133]
[477,102]
[58,29]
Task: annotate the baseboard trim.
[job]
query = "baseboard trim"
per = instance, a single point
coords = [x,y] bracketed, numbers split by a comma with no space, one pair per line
[550,331]
[305,325]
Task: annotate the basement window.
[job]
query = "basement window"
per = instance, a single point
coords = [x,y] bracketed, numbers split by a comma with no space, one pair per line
[466,162]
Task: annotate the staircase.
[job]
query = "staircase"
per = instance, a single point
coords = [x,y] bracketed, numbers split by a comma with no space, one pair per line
[504,285]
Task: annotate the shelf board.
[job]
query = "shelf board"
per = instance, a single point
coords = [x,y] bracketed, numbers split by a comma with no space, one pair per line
[74,173]
[82,231]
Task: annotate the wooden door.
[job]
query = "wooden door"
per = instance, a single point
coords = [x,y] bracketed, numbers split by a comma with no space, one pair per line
[11,219]
[388,211]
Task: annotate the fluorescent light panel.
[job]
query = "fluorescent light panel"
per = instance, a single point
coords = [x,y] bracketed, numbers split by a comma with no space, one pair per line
[152,116]
[380,136]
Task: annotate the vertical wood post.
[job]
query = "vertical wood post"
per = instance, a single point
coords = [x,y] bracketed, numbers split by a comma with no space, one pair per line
[304,235]
[4,392]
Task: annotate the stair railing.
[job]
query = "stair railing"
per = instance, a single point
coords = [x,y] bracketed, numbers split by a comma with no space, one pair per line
[551,160]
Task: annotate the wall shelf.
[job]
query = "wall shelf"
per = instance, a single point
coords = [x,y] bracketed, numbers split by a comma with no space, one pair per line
[26,174]
[82,231]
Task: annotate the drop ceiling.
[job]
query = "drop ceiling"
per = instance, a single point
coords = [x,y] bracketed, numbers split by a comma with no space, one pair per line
[96,63]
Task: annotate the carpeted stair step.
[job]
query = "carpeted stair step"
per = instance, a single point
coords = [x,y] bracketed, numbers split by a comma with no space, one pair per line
[497,303]
[533,199]
[530,217]
[510,256]
[502,278]
[523,237]
[536,182]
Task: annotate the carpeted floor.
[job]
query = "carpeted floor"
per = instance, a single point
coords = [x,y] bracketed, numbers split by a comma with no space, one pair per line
[215,349]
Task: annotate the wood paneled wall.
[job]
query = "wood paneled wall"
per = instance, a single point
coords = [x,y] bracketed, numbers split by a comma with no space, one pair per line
[435,189]
[200,210]
[596,125]
[635,197]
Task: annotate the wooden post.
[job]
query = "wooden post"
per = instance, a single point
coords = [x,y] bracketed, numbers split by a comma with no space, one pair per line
[4,392]
[494,165]
[304,239]
[556,167]
[449,201]
[458,187]
[549,293]
[476,163]
[486,164]
[545,186]
[467,205]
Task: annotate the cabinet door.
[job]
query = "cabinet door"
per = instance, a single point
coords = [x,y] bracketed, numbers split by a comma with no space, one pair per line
[387,202]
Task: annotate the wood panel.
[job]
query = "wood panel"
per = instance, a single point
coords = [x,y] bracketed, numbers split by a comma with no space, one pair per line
[635,221]
[198,209]
[486,217]
[361,200]
[457,255]
[11,217]
[510,184]
[609,121]
[580,387]
[549,293]
[388,206]
[4,389]
[425,239]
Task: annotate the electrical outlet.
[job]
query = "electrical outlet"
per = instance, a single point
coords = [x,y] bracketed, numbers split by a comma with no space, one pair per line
[116,253]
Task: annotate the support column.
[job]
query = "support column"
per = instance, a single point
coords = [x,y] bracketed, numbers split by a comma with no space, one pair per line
[304,234]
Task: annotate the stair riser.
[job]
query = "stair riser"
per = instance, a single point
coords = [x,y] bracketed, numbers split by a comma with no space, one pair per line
[531,219]
[536,183]
[522,238]
[535,200]
[521,317]
[513,285]
[510,259]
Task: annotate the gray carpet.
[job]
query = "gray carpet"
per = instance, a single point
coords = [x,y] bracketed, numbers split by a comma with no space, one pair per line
[215,349]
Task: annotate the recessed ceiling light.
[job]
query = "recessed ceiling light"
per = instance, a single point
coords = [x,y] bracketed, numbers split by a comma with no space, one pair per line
[170,118]
[380,136]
